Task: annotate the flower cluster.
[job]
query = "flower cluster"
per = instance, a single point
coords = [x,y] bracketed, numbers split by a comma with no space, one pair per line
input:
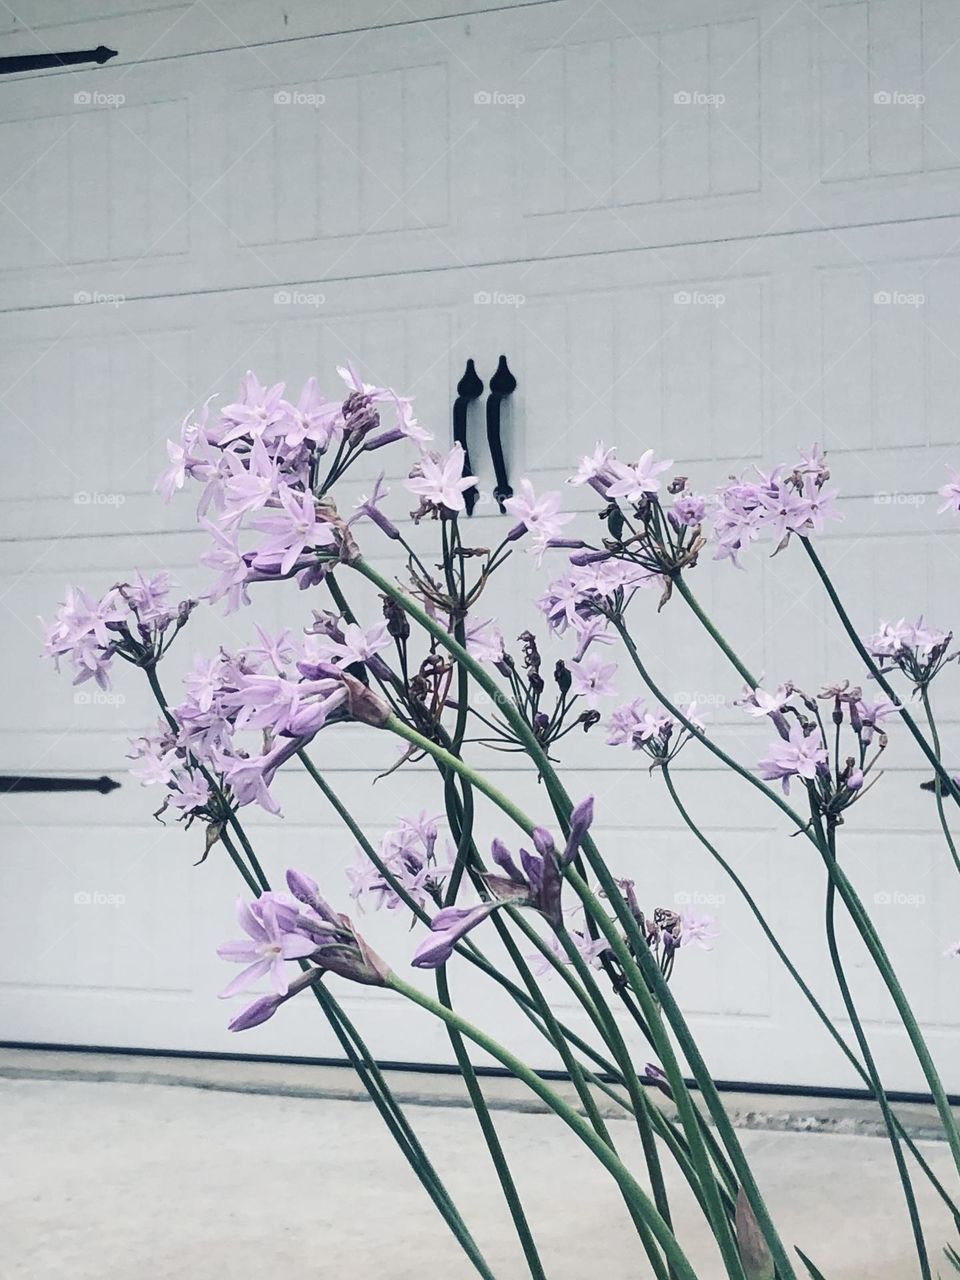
[136,621]
[776,504]
[536,883]
[918,651]
[298,926]
[657,734]
[666,931]
[802,750]
[267,465]
[409,854]
[280,693]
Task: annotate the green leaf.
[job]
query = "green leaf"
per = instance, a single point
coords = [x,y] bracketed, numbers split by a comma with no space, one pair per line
[754,1254]
[815,1272]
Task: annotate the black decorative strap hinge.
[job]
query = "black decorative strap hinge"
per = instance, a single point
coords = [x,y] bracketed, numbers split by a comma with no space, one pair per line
[22,782]
[44,61]
[502,384]
[470,387]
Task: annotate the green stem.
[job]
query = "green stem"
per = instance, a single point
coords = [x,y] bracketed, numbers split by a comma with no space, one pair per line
[681,586]
[607,1157]
[847,892]
[564,805]
[871,1068]
[804,988]
[948,783]
[490,1137]
[938,785]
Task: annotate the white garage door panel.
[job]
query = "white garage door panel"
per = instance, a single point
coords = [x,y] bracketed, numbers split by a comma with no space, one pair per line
[402,181]
[151,30]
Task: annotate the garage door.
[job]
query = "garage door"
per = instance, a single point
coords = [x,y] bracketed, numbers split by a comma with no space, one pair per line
[693,234]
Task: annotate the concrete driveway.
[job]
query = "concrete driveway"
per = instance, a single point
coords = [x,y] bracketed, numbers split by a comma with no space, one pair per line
[109,1181]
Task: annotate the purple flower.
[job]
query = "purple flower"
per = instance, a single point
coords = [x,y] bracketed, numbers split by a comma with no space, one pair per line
[689,508]
[260,411]
[539,516]
[950,492]
[267,949]
[593,679]
[226,557]
[251,482]
[484,641]
[798,756]
[293,531]
[639,481]
[697,930]
[440,480]
[313,418]
[596,468]
[357,644]
[590,949]
[448,926]
[370,507]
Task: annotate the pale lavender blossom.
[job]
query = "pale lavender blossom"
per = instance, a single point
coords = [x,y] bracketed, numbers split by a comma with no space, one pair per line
[259,411]
[268,947]
[440,480]
[697,930]
[950,492]
[595,468]
[589,949]
[798,756]
[484,641]
[593,679]
[293,531]
[358,644]
[540,517]
[639,480]
[226,557]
